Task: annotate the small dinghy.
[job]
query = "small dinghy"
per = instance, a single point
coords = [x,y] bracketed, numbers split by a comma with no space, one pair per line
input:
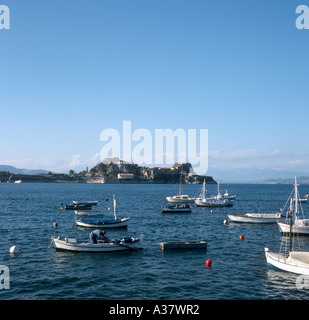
[171,245]
[77,207]
[176,208]
[123,244]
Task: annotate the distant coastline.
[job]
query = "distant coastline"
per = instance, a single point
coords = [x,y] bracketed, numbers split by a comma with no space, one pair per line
[114,171]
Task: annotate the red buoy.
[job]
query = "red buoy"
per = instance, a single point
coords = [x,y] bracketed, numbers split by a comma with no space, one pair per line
[208,263]
[241,237]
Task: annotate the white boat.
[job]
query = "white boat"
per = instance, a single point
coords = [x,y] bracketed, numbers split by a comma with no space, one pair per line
[226,195]
[299,225]
[89,213]
[18,181]
[176,208]
[217,201]
[105,223]
[180,198]
[288,259]
[124,244]
[91,203]
[255,217]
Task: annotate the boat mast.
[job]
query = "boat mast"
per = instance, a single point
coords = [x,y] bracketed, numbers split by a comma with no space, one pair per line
[114,203]
[180,182]
[204,190]
[295,212]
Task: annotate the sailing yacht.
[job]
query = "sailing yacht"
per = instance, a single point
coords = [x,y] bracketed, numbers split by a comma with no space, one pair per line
[180,198]
[299,225]
[290,260]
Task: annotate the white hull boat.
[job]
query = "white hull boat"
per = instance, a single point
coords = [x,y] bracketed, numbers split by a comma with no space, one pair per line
[89,213]
[295,261]
[290,260]
[90,203]
[255,217]
[217,201]
[111,223]
[300,226]
[180,198]
[72,245]
[214,203]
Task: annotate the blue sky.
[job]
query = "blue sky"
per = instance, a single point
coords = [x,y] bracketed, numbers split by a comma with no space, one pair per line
[70,69]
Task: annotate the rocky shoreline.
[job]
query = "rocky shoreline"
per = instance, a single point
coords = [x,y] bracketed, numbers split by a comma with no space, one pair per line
[64,178]
[115,172]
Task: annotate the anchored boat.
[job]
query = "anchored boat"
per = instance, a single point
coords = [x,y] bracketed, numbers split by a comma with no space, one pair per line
[287,259]
[124,244]
[255,217]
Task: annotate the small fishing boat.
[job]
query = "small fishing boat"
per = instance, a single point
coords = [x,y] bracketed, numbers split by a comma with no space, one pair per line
[217,201]
[171,245]
[288,259]
[226,195]
[299,225]
[106,223]
[89,213]
[77,207]
[123,244]
[255,217]
[176,208]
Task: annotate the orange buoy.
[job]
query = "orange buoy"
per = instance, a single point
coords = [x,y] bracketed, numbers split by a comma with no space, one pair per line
[208,263]
[241,237]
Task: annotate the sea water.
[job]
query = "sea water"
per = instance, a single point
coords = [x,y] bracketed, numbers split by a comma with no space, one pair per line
[30,211]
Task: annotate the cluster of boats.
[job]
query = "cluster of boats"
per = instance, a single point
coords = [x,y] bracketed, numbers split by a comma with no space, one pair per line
[295,224]
[183,203]
[84,209]
[287,259]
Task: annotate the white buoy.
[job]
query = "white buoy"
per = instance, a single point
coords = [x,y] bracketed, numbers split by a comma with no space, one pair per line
[55,224]
[14,249]
[225,222]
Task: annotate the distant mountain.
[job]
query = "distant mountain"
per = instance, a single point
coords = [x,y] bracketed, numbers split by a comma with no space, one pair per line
[248,175]
[21,171]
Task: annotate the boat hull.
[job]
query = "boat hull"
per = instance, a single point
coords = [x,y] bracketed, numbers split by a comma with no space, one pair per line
[255,218]
[180,199]
[176,208]
[77,207]
[285,263]
[213,203]
[296,229]
[172,245]
[89,213]
[119,223]
[72,245]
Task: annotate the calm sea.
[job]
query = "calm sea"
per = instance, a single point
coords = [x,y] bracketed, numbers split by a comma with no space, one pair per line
[28,213]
